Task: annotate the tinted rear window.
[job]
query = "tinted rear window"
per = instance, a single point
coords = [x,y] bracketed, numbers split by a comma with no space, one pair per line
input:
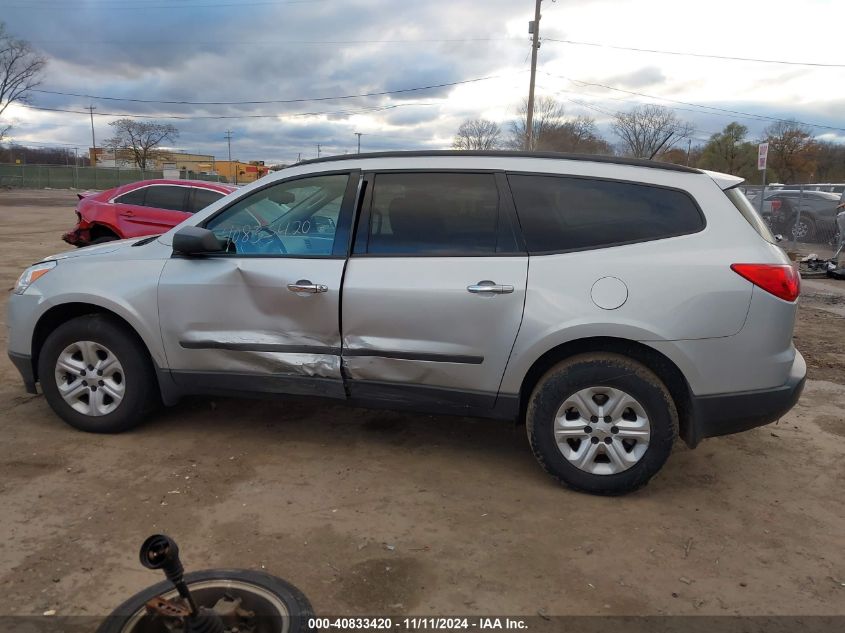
[434,214]
[204,197]
[166,197]
[560,213]
[135,197]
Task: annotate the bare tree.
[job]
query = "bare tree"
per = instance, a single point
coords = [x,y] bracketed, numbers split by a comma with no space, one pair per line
[548,117]
[141,138]
[649,130]
[20,72]
[478,134]
[578,135]
[792,150]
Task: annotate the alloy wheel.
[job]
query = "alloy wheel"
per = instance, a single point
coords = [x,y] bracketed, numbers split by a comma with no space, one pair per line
[90,378]
[602,430]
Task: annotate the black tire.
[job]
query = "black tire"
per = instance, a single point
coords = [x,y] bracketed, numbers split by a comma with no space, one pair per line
[294,600]
[141,389]
[606,370]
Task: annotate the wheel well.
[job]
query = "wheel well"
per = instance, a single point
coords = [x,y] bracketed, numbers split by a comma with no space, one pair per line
[57,315]
[101,230]
[665,369]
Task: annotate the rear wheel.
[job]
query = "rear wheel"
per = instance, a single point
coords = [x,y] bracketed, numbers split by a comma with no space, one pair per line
[103,239]
[804,229]
[97,376]
[601,423]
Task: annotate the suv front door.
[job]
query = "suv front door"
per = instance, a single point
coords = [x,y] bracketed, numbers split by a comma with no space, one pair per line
[434,292]
[264,316]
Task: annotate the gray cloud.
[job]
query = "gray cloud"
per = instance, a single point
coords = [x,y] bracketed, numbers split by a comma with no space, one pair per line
[258,53]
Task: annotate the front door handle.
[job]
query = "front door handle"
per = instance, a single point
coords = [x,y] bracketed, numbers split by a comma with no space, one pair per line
[487,286]
[305,286]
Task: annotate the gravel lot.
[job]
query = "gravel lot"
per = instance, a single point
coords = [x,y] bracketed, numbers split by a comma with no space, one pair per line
[374,512]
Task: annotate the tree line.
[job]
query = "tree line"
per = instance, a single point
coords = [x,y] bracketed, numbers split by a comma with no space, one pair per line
[656,132]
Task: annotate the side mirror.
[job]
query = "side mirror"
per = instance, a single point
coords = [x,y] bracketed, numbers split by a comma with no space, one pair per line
[194,240]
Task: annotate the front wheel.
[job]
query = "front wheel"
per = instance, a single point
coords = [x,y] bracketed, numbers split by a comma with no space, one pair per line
[601,423]
[267,604]
[96,375]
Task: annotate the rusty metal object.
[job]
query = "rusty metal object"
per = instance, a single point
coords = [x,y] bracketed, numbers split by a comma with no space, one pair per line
[175,608]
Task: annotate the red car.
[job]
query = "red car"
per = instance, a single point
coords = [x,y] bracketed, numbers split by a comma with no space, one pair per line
[141,208]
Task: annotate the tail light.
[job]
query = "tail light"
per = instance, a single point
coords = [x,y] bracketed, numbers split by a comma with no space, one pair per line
[782,280]
[776,205]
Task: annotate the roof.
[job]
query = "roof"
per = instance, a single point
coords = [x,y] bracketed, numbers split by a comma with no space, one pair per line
[593,158]
[205,184]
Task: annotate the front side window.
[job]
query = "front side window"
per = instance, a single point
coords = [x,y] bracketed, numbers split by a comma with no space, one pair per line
[559,213]
[434,214]
[166,197]
[295,217]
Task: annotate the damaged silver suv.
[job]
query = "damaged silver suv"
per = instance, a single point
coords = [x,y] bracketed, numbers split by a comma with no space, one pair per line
[610,304]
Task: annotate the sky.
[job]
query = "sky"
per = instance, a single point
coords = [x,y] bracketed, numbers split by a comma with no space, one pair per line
[308,52]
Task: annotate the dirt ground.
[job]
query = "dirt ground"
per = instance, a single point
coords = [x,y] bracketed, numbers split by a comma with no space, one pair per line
[373,512]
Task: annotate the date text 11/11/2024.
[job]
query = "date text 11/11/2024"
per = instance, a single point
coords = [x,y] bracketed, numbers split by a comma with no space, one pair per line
[419,624]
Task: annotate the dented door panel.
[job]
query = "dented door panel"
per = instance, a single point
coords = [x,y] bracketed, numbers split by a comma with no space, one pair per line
[237,315]
[413,320]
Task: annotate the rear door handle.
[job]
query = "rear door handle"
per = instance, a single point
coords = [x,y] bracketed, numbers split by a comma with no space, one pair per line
[491,287]
[305,286]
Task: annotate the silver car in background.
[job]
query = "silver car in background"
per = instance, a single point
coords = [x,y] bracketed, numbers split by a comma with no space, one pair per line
[610,304]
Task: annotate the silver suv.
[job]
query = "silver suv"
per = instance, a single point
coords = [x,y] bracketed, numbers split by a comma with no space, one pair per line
[610,304]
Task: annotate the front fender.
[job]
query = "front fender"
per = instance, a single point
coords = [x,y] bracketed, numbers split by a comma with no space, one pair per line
[86,281]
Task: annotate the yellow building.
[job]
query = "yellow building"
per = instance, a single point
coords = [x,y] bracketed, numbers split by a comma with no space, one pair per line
[237,172]
[182,164]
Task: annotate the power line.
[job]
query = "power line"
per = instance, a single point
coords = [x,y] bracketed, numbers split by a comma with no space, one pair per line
[146,7]
[234,116]
[272,101]
[665,52]
[183,42]
[698,105]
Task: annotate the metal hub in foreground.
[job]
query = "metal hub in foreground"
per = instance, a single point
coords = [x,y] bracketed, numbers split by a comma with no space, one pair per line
[602,430]
[90,378]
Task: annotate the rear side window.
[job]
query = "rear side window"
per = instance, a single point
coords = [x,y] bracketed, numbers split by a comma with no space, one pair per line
[434,214]
[135,197]
[166,197]
[203,198]
[560,213]
[750,214]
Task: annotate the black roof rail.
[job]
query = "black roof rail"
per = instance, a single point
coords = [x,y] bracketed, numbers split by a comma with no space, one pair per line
[593,158]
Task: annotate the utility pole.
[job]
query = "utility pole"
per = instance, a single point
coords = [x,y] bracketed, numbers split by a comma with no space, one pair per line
[318,150]
[228,137]
[91,109]
[299,157]
[534,30]
[358,134]
[689,149]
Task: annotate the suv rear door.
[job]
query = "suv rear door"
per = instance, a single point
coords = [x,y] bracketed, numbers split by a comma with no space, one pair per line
[434,291]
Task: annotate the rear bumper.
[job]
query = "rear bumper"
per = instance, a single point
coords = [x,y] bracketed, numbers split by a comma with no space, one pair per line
[78,237]
[723,414]
[23,363]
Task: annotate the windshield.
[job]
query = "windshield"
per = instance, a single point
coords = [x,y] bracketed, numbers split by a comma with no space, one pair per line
[750,214]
